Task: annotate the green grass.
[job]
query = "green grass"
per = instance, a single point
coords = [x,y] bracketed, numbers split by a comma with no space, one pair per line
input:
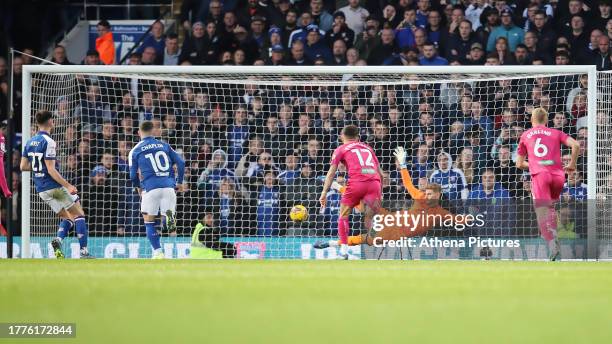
[172,301]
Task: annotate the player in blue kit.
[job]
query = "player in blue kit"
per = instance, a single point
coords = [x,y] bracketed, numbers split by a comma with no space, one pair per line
[39,156]
[155,160]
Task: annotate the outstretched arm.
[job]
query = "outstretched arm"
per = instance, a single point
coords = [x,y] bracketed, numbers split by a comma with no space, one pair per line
[400,156]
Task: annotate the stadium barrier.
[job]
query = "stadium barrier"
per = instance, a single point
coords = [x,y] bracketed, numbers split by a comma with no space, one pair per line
[301,248]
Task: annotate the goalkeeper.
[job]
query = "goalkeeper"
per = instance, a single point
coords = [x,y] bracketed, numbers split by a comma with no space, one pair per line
[426,202]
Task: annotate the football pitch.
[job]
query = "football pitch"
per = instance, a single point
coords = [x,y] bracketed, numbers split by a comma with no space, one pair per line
[186,301]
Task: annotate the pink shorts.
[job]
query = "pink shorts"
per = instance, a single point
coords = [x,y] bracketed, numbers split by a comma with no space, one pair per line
[366,191]
[546,186]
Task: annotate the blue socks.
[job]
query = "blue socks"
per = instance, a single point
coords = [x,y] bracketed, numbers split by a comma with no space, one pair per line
[81,231]
[152,235]
[64,227]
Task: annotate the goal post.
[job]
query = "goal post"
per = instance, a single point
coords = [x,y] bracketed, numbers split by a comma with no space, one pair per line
[441,109]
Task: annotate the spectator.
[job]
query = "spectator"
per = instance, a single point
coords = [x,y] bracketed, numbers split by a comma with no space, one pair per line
[566,225]
[421,164]
[385,49]
[507,29]
[452,180]
[92,58]
[277,55]
[304,189]
[380,141]
[339,53]
[489,188]
[291,170]
[604,15]
[505,170]
[201,47]
[391,19]
[495,204]
[476,55]
[127,108]
[480,151]
[135,59]
[521,55]
[460,43]
[215,172]
[258,24]
[149,56]
[601,56]
[171,52]
[274,38]
[422,10]
[321,17]
[578,38]
[268,207]
[543,30]
[147,108]
[101,191]
[456,139]
[574,189]
[105,45]
[574,7]
[420,39]
[298,58]
[465,163]
[435,30]
[257,166]
[430,56]
[229,205]
[355,16]
[290,26]
[272,138]
[586,54]
[502,52]
[489,20]
[92,110]
[579,108]
[560,122]
[314,46]
[215,14]
[368,39]
[154,39]
[481,120]
[562,58]
[59,55]
[474,11]
[340,31]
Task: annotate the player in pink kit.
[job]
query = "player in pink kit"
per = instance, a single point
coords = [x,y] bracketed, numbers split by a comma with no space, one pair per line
[365,184]
[542,147]
[6,191]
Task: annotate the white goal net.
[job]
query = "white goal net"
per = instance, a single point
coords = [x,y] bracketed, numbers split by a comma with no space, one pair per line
[258,141]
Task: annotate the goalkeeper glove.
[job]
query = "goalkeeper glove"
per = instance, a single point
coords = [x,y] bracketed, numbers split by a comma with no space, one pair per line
[400,156]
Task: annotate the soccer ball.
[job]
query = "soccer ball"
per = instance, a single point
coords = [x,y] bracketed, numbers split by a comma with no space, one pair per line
[298,213]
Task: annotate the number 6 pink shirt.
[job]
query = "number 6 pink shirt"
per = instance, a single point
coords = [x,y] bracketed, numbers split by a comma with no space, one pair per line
[542,146]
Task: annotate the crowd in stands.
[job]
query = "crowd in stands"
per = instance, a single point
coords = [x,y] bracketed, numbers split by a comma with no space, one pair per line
[253,150]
